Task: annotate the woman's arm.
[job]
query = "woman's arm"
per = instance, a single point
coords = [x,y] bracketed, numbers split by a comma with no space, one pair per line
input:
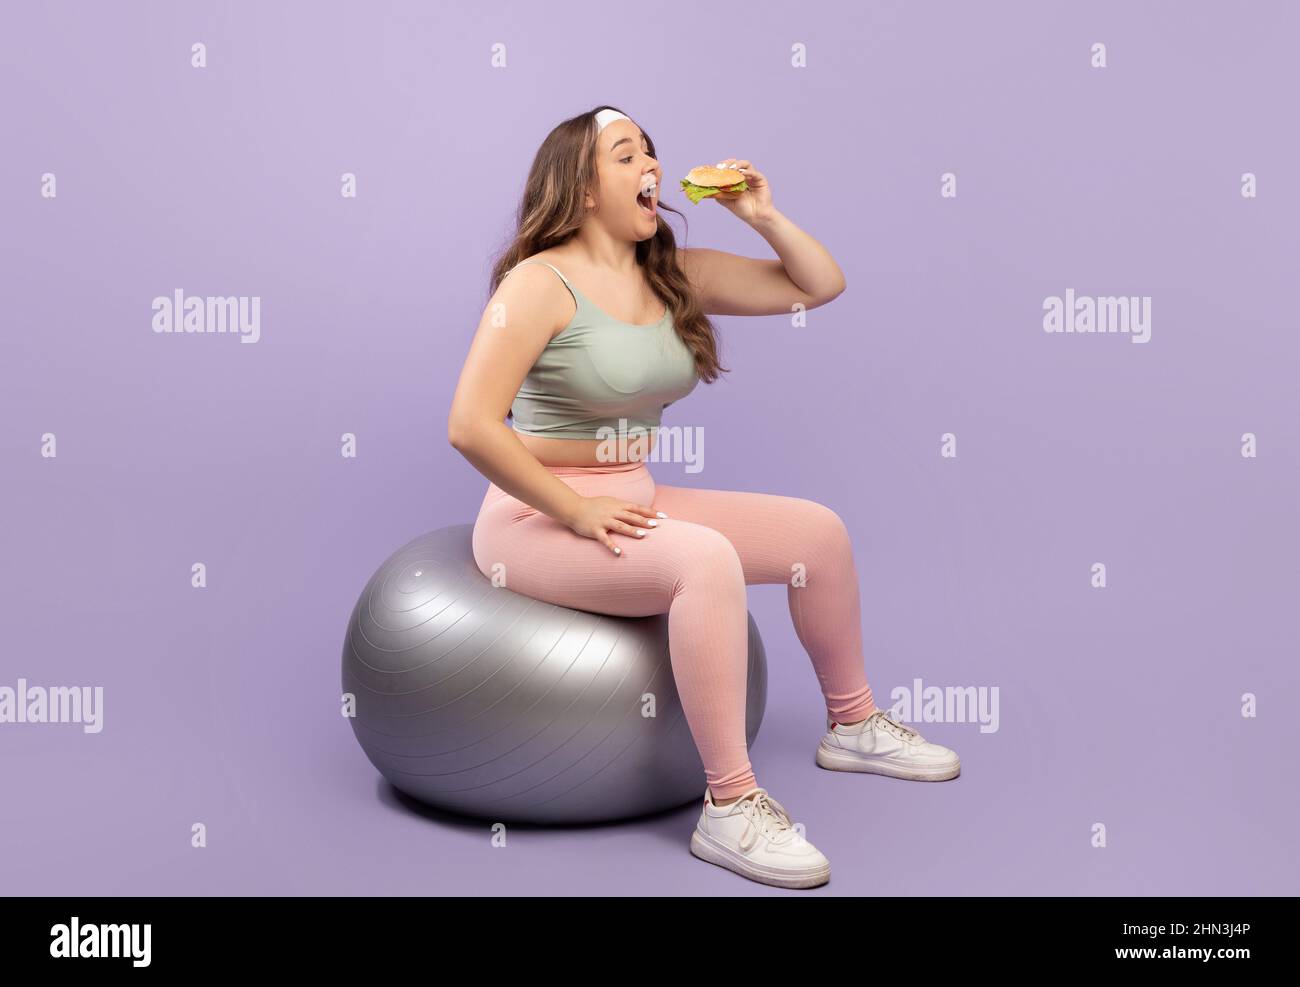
[528,308]
[729,284]
[732,285]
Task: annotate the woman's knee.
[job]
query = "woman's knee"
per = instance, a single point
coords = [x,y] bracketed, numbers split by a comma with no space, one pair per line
[820,526]
[704,554]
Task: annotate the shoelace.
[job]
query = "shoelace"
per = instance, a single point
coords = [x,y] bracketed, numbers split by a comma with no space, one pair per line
[766,816]
[897,729]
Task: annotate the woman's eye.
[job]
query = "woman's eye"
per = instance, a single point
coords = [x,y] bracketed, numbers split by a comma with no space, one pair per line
[626,160]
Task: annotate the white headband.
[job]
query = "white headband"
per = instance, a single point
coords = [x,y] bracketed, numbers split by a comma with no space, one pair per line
[605,117]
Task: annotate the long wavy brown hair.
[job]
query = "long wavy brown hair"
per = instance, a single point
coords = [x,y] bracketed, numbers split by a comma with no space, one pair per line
[552,210]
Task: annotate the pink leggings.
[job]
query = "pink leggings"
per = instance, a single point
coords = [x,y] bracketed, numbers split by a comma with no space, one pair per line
[694,566]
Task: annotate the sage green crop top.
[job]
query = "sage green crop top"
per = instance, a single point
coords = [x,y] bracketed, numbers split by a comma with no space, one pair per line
[599,370]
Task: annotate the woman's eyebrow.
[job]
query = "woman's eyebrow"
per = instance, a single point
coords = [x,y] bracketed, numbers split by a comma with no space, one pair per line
[622,140]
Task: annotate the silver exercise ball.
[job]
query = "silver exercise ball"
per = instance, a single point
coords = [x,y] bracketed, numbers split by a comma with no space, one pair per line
[479,700]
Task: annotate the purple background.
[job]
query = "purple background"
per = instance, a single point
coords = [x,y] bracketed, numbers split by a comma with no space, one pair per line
[1119,706]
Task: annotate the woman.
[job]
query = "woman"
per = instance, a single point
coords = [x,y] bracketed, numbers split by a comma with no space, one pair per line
[603,324]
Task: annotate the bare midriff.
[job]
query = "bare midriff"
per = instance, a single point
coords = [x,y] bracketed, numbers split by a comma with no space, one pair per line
[581,452]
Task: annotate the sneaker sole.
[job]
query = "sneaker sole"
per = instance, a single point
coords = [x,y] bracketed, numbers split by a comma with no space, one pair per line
[715,853]
[839,760]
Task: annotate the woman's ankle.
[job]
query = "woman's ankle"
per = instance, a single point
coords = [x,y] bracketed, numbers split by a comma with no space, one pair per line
[854,722]
[720,803]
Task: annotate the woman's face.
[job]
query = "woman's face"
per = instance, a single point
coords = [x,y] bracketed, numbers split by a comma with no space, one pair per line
[624,169]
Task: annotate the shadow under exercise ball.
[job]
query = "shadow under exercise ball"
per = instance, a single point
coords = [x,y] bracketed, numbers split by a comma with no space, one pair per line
[476,699]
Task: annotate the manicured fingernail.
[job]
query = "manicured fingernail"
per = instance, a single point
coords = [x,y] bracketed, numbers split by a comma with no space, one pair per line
[618,551]
[652,523]
[640,532]
[661,513]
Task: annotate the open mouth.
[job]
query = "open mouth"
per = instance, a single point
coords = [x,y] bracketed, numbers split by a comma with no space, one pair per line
[645,199]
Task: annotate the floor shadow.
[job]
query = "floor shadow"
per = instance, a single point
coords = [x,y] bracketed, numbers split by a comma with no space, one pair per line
[672,824]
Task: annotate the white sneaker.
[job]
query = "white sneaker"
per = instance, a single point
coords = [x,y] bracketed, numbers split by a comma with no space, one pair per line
[884,747]
[755,837]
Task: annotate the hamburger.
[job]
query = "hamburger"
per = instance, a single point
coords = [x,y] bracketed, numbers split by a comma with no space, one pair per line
[704,181]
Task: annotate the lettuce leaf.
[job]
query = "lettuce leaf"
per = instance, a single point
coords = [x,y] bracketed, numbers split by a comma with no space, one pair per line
[697,192]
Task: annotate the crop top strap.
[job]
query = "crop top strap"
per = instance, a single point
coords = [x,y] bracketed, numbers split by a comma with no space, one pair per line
[577,295]
[551,266]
